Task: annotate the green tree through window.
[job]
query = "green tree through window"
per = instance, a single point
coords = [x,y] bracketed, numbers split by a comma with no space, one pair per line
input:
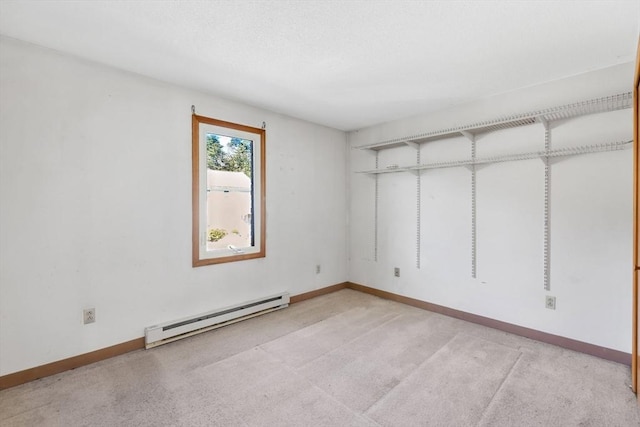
[235,157]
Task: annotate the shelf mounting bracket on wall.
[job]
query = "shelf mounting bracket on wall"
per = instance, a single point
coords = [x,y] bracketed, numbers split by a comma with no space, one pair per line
[412,144]
[471,137]
[472,168]
[418,207]
[474,234]
[543,121]
[547,205]
[375,214]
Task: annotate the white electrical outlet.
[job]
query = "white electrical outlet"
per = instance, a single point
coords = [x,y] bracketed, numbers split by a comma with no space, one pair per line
[89,315]
[318,269]
[550,302]
[396,272]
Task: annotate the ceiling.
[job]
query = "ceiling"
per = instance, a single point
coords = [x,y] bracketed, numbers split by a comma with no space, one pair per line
[343,64]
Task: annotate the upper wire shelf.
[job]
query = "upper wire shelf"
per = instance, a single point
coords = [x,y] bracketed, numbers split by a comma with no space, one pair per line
[592,106]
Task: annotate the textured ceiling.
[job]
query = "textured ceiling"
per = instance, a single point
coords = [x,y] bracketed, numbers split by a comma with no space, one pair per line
[344,64]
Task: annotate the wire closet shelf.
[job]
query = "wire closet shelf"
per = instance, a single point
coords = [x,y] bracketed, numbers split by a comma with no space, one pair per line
[592,106]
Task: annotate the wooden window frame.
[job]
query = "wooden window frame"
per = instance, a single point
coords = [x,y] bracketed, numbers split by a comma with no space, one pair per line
[259,200]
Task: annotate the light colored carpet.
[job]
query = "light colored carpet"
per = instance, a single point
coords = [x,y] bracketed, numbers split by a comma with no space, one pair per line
[343,359]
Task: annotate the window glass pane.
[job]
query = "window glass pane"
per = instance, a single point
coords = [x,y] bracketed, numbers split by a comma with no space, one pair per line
[229,207]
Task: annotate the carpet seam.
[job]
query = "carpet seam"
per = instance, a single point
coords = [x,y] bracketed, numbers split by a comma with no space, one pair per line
[306,326]
[297,369]
[414,372]
[504,380]
[358,337]
[294,371]
[334,349]
[367,332]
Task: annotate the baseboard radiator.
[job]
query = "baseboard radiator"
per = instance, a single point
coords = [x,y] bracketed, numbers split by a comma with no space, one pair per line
[182,328]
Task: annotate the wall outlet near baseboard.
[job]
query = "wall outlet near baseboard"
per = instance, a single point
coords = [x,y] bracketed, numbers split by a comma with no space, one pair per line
[89,315]
[396,272]
[318,269]
[550,302]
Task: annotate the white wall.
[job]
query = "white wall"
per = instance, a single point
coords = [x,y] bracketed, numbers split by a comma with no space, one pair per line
[95,211]
[95,192]
[591,215]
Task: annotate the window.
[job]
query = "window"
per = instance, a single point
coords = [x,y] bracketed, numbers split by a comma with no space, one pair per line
[228,191]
